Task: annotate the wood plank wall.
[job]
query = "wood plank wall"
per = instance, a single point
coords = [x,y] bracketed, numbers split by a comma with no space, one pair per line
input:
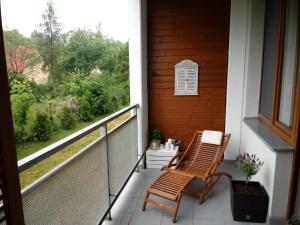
[187,29]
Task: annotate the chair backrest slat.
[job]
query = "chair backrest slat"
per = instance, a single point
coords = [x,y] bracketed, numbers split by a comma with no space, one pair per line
[201,155]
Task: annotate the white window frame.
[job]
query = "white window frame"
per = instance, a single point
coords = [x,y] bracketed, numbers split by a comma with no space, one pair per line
[186,68]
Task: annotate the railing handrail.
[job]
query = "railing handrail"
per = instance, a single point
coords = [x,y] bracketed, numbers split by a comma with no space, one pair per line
[44,153]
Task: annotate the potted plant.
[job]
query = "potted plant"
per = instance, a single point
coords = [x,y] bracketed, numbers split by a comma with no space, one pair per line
[155,138]
[249,200]
[294,220]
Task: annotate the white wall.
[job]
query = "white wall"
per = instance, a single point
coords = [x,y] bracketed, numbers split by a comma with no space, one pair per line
[138,66]
[244,71]
[254,58]
[282,180]
[252,144]
[275,173]
[239,23]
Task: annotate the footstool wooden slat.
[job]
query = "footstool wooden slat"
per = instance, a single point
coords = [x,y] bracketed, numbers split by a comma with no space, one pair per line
[169,185]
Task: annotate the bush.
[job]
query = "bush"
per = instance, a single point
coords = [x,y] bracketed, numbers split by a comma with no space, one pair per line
[21,97]
[40,127]
[84,111]
[67,119]
[294,220]
[20,134]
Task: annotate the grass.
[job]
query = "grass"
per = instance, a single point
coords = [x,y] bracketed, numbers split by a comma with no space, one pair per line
[32,147]
[36,171]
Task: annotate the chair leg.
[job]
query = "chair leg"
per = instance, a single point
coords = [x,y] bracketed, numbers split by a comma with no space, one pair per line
[211,182]
[201,199]
[176,208]
[145,201]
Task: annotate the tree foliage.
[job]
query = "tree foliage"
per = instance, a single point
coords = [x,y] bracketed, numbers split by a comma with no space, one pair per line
[21,98]
[88,77]
[40,126]
[67,118]
[48,43]
[18,51]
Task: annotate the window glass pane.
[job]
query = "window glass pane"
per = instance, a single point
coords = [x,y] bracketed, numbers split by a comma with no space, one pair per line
[269,58]
[289,67]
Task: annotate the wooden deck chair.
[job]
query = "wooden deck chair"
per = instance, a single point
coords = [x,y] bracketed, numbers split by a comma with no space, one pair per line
[169,186]
[200,160]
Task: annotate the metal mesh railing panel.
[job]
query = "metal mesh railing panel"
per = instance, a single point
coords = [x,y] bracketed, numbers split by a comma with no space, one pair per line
[122,153]
[76,193]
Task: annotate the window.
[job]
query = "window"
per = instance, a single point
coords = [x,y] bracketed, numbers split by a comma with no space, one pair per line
[186,78]
[289,65]
[280,67]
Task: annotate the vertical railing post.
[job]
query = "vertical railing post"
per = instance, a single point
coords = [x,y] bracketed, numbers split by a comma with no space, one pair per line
[103,130]
[134,113]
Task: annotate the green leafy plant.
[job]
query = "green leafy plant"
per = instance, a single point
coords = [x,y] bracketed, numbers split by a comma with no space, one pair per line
[156,134]
[84,111]
[40,127]
[67,118]
[294,220]
[248,164]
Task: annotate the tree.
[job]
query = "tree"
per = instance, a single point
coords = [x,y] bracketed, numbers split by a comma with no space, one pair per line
[122,67]
[83,50]
[21,98]
[67,118]
[48,42]
[18,51]
[40,126]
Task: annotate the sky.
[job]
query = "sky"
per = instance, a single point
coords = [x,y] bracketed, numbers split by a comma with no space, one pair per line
[24,15]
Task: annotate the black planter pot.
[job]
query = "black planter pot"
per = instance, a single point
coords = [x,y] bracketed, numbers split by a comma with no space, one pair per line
[249,206]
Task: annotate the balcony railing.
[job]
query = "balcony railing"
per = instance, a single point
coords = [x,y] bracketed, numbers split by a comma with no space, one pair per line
[79,190]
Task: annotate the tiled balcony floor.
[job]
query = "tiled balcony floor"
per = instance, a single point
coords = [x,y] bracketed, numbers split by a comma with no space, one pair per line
[214,211]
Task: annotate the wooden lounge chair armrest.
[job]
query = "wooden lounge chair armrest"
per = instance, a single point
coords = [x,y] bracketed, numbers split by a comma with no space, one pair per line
[166,167]
[170,164]
[214,166]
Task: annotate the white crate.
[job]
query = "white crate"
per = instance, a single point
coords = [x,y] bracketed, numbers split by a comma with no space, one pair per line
[159,158]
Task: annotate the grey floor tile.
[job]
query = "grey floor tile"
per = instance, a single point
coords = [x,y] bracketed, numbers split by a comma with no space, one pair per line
[119,218]
[208,222]
[214,211]
[186,208]
[167,220]
[125,204]
[143,219]
[209,210]
[237,223]
[134,188]
[228,215]
[153,209]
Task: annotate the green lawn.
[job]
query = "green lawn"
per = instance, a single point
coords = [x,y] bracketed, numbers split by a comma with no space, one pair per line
[36,171]
[29,148]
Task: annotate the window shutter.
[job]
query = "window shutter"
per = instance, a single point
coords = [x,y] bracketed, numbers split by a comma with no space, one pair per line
[191,80]
[181,80]
[186,78]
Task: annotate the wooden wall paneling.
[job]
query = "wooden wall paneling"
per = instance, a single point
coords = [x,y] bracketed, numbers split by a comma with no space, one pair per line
[196,30]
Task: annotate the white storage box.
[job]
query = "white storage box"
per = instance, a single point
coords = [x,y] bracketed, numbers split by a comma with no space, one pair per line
[160,157]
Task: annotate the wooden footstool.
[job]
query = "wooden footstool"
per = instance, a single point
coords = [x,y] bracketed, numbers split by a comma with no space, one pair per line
[169,185]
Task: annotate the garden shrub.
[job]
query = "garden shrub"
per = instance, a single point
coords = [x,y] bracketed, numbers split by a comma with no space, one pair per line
[21,97]
[40,127]
[20,134]
[67,118]
[84,111]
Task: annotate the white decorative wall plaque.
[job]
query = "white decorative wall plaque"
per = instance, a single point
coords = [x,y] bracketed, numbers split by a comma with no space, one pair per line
[186,78]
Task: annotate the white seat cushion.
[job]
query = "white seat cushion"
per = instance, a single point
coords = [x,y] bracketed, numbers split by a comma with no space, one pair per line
[212,137]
